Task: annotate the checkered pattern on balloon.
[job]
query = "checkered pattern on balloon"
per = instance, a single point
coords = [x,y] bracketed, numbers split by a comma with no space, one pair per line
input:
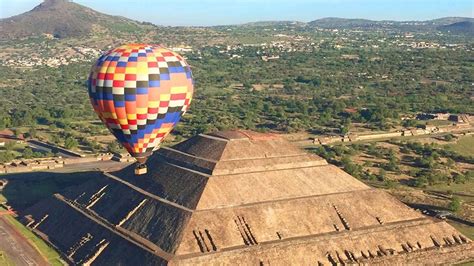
[140,92]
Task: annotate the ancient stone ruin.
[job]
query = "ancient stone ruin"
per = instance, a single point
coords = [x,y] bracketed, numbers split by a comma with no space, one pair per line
[239,197]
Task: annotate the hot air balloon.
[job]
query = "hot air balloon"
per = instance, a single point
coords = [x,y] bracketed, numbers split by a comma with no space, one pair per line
[140,92]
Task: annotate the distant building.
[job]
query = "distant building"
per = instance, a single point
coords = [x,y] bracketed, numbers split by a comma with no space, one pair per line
[350,57]
[461,118]
[278,86]
[430,128]
[182,49]
[237,86]
[269,58]
[433,116]
[350,110]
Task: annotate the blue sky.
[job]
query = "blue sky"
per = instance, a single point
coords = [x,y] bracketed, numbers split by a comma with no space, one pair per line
[219,12]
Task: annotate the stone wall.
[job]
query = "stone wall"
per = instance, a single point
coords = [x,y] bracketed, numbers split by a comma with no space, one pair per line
[29,165]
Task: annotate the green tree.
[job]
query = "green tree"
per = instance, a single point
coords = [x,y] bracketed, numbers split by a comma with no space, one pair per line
[392,164]
[70,143]
[32,132]
[455,204]
[6,157]
[28,153]
[450,163]
[344,130]
[113,147]
[390,183]
[409,123]
[9,145]
[448,137]
[381,175]
[421,181]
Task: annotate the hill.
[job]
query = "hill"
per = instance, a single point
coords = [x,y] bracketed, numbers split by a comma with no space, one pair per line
[271,23]
[463,27]
[62,19]
[435,24]
[332,22]
[450,20]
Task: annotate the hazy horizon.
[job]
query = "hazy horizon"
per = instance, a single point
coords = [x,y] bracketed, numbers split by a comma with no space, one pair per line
[213,12]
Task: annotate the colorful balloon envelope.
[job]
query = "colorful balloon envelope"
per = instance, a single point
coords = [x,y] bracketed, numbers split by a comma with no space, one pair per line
[140,92]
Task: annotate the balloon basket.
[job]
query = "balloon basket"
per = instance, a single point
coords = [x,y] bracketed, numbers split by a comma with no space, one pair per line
[141,170]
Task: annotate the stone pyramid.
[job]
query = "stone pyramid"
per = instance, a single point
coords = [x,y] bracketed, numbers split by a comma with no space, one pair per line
[239,197]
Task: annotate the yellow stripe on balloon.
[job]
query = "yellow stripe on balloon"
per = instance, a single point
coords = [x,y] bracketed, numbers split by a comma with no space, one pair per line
[142,110]
[130,70]
[153,104]
[119,76]
[165,97]
[181,89]
[142,68]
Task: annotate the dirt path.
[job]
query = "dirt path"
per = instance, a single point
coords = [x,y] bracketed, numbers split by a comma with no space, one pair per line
[17,247]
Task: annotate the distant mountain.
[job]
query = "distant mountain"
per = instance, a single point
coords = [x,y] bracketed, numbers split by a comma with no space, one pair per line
[434,24]
[332,22]
[456,25]
[463,27]
[273,23]
[62,19]
[450,20]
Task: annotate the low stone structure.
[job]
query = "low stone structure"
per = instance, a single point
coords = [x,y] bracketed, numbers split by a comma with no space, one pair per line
[409,132]
[123,157]
[239,197]
[30,165]
[380,135]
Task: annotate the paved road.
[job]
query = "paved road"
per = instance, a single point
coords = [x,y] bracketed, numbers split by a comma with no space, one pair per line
[36,147]
[72,168]
[108,165]
[17,248]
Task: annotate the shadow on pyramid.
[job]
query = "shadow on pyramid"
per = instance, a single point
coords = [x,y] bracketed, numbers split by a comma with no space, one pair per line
[239,197]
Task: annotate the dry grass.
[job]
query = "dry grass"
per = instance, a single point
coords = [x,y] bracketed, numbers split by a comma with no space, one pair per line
[4,260]
[464,145]
[464,229]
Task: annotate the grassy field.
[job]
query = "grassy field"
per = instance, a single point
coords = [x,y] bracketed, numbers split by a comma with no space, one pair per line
[464,229]
[49,253]
[4,260]
[440,122]
[17,150]
[464,146]
[466,188]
